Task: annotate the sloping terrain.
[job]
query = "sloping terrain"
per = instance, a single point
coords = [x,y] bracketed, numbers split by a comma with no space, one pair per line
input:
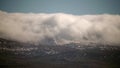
[74,55]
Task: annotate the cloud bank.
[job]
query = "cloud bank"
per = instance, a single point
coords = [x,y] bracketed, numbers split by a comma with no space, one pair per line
[60,28]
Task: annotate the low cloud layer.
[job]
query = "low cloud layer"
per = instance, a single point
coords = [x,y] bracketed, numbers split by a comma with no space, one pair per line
[60,28]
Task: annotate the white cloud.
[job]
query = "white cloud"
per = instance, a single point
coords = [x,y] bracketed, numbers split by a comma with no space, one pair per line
[60,28]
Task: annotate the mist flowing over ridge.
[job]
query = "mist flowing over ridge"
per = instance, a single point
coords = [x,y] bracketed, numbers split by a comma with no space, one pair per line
[60,28]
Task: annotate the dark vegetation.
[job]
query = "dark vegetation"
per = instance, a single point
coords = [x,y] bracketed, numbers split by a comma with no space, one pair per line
[65,56]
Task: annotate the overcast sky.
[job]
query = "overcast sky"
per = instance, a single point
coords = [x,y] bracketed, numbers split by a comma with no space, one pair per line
[78,7]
